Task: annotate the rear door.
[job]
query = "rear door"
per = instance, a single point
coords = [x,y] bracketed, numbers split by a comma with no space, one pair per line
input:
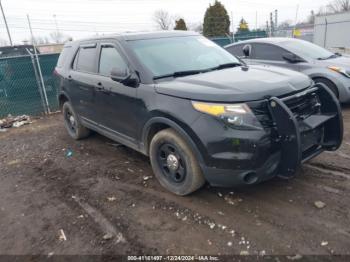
[82,79]
[116,103]
[269,54]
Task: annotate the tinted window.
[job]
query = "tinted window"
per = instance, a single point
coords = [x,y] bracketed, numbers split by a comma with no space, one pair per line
[110,58]
[86,59]
[63,56]
[236,50]
[267,52]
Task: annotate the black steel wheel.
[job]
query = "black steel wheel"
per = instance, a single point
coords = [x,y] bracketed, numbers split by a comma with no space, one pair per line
[174,163]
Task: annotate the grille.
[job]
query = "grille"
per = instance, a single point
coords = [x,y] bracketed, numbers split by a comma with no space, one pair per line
[304,106]
[301,107]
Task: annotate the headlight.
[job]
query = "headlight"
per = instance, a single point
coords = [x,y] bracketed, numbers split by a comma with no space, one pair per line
[238,116]
[340,70]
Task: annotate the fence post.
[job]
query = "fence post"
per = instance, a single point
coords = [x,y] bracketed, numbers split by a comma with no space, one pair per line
[325,33]
[38,81]
[39,67]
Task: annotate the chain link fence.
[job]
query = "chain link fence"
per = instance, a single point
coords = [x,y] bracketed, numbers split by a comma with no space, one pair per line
[226,40]
[22,90]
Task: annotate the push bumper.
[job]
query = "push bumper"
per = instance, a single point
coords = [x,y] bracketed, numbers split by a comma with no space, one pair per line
[303,139]
[297,139]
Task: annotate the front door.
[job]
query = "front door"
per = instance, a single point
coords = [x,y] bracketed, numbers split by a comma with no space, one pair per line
[116,103]
[269,54]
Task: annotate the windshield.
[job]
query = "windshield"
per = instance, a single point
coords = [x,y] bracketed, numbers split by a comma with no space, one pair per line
[165,56]
[306,49]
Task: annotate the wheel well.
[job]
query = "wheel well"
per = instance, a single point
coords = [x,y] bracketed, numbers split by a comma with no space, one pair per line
[331,85]
[62,99]
[154,129]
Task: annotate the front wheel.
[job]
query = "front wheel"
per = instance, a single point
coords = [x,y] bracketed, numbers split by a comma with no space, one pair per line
[175,164]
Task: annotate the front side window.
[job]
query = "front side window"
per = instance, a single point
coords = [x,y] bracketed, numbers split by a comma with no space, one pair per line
[109,59]
[267,52]
[85,59]
[236,50]
[164,56]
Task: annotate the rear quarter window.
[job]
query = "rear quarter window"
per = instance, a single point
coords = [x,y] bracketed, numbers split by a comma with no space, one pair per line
[64,56]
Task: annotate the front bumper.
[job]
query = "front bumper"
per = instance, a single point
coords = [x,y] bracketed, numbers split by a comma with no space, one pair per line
[279,150]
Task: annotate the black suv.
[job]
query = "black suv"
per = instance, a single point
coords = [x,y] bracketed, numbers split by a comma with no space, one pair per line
[194,109]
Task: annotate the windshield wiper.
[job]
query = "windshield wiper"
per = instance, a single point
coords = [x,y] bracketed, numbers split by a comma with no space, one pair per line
[223,66]
[329,57]
[194,72]
[180,73]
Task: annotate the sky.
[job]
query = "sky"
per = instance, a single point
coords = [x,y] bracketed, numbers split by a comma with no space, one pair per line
[82,18]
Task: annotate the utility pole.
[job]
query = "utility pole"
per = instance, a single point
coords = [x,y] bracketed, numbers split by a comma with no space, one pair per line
[267,27]
[272,26]
[7,28]
[233,28]
[296,20]
[256,20]
[57,30]
[276,18]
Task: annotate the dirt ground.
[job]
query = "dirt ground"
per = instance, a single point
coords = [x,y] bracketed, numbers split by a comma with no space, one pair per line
[105,200]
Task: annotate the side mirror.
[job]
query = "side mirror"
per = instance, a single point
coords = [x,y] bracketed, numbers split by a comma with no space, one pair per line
[246,50]
[124,77]
[292,58]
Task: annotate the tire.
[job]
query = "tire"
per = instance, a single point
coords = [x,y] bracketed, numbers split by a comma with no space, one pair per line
[329,84]
[72,123]
[182,176]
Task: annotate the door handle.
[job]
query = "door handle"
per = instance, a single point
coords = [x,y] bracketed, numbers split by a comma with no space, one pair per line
[99,87]
[70,78]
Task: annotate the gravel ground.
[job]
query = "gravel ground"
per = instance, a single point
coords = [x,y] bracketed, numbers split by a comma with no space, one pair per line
[104,199]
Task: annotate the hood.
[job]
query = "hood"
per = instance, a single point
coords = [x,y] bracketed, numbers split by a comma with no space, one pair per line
[341,61]
[236,84]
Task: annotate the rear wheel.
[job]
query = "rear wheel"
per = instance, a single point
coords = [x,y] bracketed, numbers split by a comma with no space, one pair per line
[72,123]
[174,163]
[329,84]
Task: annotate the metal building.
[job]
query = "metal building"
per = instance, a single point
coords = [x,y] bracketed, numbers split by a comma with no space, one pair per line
[333,31]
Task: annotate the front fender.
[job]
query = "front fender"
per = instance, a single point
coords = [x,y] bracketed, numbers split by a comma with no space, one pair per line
[185,131]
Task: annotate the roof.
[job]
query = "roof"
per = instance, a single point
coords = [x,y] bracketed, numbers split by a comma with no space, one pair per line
[270,40]
[128,36]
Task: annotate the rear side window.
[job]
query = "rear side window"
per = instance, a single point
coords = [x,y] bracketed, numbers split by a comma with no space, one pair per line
[110,58]
[85,59]
[267,52]
[63,56]
[236,50]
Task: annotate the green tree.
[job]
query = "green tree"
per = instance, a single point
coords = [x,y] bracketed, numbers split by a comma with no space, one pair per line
[216,20]
[180,25]
[243,26]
